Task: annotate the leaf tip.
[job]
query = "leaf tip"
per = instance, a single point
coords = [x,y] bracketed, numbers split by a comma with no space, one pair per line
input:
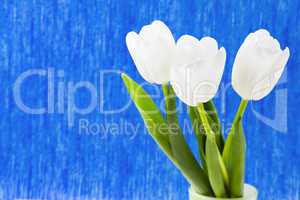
[124,76]
[126,79]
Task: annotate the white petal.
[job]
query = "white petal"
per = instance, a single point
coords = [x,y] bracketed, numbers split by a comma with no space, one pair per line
[187,49]
[198,82]
[163,30]
[247,65]
[157,32]
[210,74]
[186,84]
[146,33]
[137,54]
[258,65]
[157,59]
[268,47]
[208,47]
[254,38]
[190,49]
[261,33]
[265,85]
[219,63]
[155,47]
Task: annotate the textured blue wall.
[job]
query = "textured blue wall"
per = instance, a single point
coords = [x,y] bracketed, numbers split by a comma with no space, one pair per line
[41,157]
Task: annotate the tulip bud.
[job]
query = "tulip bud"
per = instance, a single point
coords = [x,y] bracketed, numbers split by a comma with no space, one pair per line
[258,65]
[198,71]
[152,51]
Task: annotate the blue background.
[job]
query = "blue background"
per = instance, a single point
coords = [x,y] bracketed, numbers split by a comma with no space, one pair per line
[41,157]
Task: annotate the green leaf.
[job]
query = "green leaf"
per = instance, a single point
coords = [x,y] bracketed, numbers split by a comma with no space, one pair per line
[215,168]
[234,154]
[159,130]
[215,124]
[152,117]
[234,159]
[217,174]
[181,151]
[199,133]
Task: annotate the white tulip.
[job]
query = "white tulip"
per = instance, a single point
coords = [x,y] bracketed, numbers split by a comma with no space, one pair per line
[198,71]
[152,51]
[258,65]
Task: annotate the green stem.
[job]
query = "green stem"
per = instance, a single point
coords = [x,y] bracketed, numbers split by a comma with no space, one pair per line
[204,119]
[211,136]
[241,110]
[166,92]
[187,163]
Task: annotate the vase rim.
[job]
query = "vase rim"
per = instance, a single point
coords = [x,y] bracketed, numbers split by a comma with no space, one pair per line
[249,193]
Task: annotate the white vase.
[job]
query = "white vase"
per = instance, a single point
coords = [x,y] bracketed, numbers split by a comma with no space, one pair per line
[250,193]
